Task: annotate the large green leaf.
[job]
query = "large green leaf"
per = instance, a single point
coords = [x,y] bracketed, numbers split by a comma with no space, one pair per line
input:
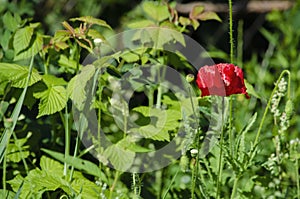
[36,46]
[51,80]
[22,39]
[119,157]
[162,121]
[18,74]
[6,194]
[77,85]
[52,100]
[155,10]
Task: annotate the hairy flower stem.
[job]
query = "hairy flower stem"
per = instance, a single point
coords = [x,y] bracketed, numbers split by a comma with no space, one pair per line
[231,31]
[236,180]
[231,42]
[195,168]
[220,163]
[254,147]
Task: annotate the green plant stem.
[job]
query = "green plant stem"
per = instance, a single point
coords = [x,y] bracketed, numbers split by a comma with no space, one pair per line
[253,150]
[111,190]
[231,42]
[231,31]
[234,188]
[230,134]
[67,139]
[297,177]
[220,163]
[4,172]
[195,168]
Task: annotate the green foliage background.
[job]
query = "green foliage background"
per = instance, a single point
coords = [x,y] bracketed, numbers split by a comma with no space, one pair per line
[43,44]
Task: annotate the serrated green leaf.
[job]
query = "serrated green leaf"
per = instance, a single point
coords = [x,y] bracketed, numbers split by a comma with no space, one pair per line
[10,22]
[61,36]
[50,166]
[162,121]
[91,20]
[119,157]
[18,74]
[22,39]
[51,80]
[76,87]
[155,10]
[36,46]
[6,194]
[52,100]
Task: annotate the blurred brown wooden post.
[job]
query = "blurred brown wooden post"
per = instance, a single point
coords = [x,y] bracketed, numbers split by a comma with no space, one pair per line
[252,6]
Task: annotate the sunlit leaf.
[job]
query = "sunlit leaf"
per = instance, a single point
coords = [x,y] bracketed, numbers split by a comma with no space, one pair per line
[52,100]
[119,157]
[36,46]
[76,87]
[162,121]
[18,74]
[22,39]
[51,80]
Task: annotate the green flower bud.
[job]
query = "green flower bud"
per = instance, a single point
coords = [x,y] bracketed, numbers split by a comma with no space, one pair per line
[289,108]
[184,162]
[189,78]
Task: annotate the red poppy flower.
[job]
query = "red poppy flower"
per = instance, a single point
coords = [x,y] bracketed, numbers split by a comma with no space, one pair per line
[221,79]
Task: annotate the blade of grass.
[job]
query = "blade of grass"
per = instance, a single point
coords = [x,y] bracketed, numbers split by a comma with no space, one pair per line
[14,118]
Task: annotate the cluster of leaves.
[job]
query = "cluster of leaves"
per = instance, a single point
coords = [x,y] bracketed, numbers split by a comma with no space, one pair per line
[43,73]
